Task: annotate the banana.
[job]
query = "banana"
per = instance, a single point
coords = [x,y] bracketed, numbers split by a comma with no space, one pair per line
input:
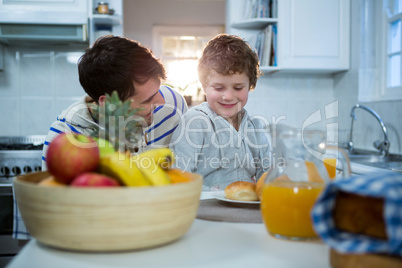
[120,166]
[144,169]
[162,157]
[152,171]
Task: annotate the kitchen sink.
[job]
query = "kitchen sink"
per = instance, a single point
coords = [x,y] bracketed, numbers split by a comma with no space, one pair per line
[373,159]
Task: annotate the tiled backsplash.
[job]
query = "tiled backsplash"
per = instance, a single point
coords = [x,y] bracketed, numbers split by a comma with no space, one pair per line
[37,83]
[291,97]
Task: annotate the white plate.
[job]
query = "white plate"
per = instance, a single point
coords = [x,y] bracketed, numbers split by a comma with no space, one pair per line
[220,195]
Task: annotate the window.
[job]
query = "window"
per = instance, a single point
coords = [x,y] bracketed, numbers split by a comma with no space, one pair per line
[180,48]
[380,72]
[393,17]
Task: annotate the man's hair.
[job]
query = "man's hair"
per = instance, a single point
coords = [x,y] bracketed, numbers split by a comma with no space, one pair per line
[113,63]
[228,55]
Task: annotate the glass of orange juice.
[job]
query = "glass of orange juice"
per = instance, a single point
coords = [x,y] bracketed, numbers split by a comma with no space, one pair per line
[296,179]
[286,208]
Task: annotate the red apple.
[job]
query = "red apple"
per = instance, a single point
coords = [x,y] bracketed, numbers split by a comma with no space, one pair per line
[94,179]
[71,154]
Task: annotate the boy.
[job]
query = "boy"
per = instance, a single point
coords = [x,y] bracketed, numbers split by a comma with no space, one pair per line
[217,138]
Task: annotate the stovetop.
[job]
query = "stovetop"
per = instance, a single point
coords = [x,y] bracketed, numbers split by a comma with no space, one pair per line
[15,146]
[32,142]
[19,155]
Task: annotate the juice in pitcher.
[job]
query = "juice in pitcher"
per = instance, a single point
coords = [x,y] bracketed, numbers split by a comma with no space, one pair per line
[330,165]
[286,206]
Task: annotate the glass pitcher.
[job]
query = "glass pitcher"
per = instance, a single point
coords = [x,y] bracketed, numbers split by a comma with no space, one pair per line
[297,177]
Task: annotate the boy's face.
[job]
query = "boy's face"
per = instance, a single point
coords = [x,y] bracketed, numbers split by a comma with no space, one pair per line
[147,97]
[227,94]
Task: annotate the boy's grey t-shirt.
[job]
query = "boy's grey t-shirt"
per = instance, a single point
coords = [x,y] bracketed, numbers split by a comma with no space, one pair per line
[207,144]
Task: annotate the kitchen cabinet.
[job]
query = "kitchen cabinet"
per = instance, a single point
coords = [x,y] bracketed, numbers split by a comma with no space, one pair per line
[39,12]
[73,20]
[48,5]
[104,24]
[312,35]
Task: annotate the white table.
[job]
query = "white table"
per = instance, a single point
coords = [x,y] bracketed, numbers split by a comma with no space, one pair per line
[207,244]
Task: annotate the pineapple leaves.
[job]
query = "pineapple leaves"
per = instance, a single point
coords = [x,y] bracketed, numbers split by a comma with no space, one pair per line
[117,122]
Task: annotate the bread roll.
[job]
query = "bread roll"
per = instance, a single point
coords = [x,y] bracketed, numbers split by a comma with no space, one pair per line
[360,215]
[242,191]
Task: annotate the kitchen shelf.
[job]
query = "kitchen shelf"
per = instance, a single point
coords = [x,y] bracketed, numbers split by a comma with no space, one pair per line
[257,23]
[107,19]
[258,26]
[105,24]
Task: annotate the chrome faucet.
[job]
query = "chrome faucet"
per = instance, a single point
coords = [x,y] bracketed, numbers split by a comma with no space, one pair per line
[381,146]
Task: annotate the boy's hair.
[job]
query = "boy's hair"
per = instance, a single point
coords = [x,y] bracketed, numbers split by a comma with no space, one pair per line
[228,55]
[113,63]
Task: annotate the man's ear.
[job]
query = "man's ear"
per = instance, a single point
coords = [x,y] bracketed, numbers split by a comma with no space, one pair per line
[102,99]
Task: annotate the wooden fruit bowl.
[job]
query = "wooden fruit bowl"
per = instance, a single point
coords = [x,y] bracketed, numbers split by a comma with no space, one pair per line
[106,219]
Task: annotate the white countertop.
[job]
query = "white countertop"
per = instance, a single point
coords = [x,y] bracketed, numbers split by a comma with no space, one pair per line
[361,169]
[207,244]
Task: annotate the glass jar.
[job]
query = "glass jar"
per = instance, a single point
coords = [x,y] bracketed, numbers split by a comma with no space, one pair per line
[103,8]
[295,181]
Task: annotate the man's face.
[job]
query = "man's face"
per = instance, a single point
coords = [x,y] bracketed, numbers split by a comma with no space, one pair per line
[147,97]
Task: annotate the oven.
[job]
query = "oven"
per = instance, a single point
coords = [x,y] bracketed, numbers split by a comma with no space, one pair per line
[18,155]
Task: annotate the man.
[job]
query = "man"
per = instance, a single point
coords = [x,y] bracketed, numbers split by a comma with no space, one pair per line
[116,63]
